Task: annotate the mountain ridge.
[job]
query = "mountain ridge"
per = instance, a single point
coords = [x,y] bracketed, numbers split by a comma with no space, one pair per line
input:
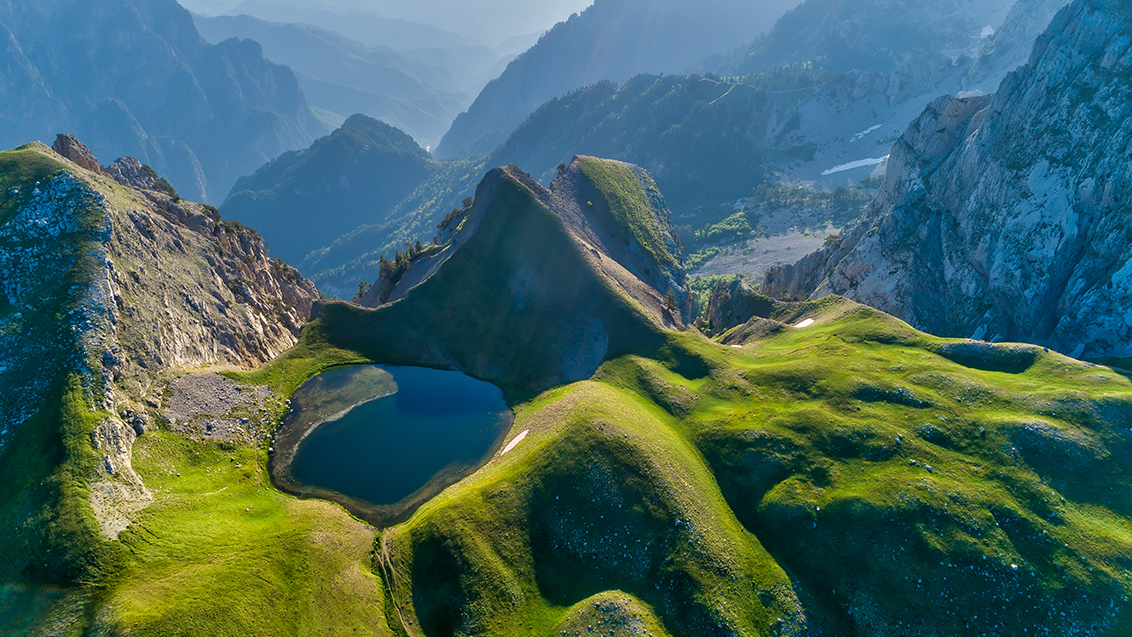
[201,114]
[311,197]
[554,282]
[611,40]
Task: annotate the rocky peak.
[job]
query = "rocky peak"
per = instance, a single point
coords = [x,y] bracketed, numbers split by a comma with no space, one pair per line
[70,147]
[1005,217]
[129,171]
[733,303]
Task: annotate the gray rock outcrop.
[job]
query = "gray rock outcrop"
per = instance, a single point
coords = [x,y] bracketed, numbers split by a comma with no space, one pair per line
[120,287]
[128,171]
[71,148]
[1006,217]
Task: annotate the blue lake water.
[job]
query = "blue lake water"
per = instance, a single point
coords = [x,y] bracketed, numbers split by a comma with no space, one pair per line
[436,428]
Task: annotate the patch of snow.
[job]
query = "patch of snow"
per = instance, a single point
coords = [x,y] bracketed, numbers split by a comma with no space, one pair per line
[987,31]
[514,443]
[861,163]
[860,135]
[966,94]
[804,324]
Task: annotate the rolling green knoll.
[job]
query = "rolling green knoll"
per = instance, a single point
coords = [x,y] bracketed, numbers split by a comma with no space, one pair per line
[855,477]
[846,476]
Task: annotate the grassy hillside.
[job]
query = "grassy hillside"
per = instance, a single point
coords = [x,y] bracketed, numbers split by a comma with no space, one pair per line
[48,536]
[776,480]
[848,476]
[201,557]
[222,553]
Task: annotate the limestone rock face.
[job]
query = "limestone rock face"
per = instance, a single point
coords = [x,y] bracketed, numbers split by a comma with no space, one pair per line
[1006,217]
[76,151]
[734,303]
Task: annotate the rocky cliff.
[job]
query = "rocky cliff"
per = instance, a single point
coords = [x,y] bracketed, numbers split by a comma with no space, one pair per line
[1005,217]
[114,287]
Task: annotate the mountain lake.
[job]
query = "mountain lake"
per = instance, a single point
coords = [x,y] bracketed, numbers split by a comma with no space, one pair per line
[382,440]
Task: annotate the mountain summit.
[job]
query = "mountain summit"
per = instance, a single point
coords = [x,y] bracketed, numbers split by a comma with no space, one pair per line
[530,287]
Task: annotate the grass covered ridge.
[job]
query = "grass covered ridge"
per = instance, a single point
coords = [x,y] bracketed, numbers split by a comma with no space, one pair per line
[518,305]
[218,551]
[52,554]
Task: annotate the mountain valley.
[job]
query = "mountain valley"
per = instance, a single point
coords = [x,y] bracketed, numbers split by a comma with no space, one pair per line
[574,373]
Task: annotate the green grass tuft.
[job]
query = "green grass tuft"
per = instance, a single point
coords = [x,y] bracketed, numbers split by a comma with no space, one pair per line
[21,168]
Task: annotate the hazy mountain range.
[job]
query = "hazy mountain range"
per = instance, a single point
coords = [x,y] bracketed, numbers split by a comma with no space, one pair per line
[721,148]
[133,77]
[345,77]
[611,40]
[427,23]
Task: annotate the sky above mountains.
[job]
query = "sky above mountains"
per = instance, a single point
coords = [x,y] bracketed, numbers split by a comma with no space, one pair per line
[488,22]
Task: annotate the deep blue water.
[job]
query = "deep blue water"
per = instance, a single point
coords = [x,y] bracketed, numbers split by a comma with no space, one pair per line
[385,450]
